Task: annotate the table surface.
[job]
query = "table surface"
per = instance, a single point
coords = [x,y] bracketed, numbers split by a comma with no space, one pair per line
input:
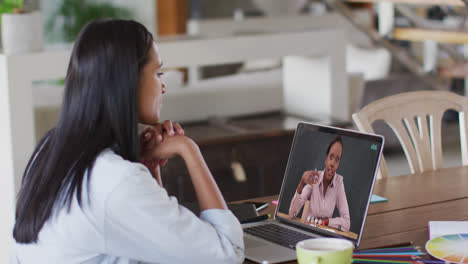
[413,200]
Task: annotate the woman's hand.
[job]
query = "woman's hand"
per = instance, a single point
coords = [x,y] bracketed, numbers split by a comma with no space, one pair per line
[171,146]
[206,189]
[311,177]
[150,138]
[170,141]
[308,177]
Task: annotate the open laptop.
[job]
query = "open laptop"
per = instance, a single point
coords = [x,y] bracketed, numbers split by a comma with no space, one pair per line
[347,174]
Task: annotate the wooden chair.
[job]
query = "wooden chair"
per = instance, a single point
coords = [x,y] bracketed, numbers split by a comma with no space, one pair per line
[415,118]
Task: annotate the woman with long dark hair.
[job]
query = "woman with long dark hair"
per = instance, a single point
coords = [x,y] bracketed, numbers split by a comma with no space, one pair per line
[325,191]
[86,198]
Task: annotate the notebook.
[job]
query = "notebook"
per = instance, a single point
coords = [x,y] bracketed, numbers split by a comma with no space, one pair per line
[344,162]
[441,228]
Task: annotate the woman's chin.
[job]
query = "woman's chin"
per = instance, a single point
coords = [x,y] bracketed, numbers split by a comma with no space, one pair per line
[154,119]
[149,119]
[151,122]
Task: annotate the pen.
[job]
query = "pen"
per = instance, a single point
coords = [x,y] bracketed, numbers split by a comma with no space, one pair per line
[263,206]
[405,244]
[256,219]
[388,249]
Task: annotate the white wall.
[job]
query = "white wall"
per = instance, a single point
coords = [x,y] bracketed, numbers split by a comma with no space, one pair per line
[7,196]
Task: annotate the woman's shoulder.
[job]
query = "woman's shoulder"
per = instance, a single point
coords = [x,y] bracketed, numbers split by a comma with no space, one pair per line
[110,170]
[109,161]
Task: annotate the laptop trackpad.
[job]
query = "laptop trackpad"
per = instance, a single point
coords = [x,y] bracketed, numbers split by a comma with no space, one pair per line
[258,250]
[273,254]
[254,243]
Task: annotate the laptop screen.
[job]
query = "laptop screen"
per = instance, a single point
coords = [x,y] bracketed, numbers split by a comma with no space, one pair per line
[328,180]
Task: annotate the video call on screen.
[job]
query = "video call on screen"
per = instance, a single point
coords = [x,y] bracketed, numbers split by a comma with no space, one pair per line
[357,166]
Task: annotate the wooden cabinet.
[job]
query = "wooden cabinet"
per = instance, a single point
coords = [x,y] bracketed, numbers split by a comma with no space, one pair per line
[263,160]
[260,144]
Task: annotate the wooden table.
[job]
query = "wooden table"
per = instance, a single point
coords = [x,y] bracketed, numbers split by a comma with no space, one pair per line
[413,200]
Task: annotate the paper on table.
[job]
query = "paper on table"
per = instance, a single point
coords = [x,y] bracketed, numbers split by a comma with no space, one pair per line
[440,228]
[377,199]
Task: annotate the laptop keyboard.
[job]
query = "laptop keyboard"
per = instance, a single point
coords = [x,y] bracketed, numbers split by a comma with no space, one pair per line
[277,234]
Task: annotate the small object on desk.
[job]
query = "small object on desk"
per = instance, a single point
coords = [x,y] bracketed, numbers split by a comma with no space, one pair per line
[256,219]
[261,207]
[275,202]
[399,249]
[451,248]
[391,253]
[378,199]
[401,254]
[397,260]
[393,246]
[258,206]
[440,228]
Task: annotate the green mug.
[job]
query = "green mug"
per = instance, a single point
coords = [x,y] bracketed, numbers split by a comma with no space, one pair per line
[324,251]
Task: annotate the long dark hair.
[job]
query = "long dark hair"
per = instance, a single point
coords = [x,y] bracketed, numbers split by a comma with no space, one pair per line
[99,111]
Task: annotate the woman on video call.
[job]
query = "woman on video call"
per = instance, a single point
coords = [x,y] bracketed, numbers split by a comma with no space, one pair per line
[325,190]
[92,192]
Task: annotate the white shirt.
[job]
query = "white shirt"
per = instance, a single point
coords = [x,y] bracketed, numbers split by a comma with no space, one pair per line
[131,219]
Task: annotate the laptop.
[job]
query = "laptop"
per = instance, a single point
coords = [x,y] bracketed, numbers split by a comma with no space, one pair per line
[326,192]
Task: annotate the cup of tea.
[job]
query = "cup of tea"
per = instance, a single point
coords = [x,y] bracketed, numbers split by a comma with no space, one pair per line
[324,251]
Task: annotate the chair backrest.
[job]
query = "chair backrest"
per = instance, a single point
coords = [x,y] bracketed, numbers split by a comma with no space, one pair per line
[305,210]
[415,118]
